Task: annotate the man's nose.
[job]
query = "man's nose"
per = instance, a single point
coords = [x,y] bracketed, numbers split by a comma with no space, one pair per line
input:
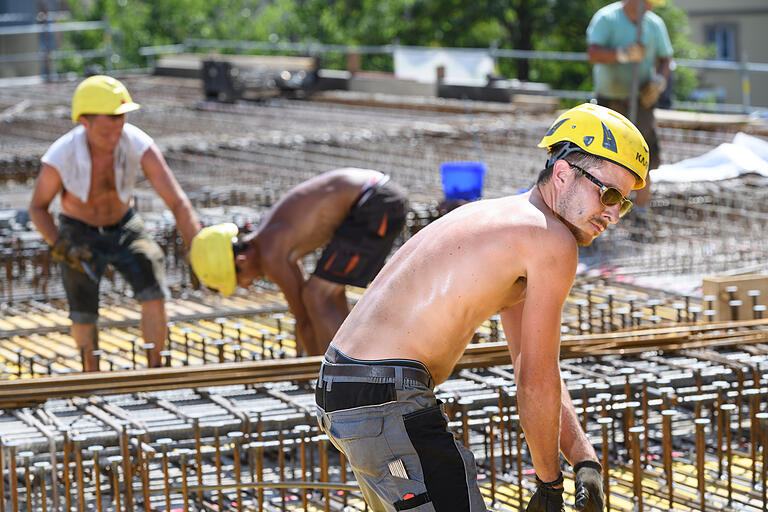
[612,213]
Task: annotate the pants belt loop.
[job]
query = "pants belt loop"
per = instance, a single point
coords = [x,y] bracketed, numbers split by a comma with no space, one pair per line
[398,377]
[322,381]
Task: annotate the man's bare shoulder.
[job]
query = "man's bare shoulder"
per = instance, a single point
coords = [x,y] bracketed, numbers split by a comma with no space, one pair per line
[512,231]
[554,236]
[274,243]
[525,214]
[49,172]
[539,235]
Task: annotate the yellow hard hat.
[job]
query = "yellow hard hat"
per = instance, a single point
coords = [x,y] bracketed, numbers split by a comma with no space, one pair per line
[212,258]
[101,94]
[602,132]
[656,3]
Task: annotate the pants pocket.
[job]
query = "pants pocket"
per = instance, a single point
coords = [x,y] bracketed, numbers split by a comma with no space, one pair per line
[356,432]
[408,494]
[347,425]
[345,259]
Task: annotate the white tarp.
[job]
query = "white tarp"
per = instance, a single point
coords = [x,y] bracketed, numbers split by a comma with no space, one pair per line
[746,154]
[465,67]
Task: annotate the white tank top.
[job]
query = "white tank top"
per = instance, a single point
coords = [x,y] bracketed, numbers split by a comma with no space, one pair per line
[70,156]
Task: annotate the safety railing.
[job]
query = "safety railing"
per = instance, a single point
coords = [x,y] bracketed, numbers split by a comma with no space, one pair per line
[48,54]
[314,48]
[109,56]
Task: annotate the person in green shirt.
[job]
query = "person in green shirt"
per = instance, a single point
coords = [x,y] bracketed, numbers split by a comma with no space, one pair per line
[613,48]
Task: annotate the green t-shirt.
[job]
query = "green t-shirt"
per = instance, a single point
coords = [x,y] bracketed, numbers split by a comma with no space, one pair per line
[611,28]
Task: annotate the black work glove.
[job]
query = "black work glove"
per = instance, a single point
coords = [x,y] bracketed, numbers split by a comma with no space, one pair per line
[588,477]
[72,255]
[547,498]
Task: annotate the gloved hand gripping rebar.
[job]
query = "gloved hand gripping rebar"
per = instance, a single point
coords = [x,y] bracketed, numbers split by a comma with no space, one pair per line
[73,255]
[588,477]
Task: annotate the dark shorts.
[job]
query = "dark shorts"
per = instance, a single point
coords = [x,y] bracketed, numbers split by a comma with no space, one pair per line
[362,242]
[646,123]
[385,418]
[128,247]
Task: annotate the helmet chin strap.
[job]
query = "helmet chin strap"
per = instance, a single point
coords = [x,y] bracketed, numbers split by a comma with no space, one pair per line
[567,149]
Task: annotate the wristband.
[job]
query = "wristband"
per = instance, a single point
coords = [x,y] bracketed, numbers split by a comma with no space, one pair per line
[557,481]
[588,464]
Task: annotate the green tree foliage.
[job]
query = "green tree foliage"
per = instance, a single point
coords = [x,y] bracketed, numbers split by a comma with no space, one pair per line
[139,23]
[551,25]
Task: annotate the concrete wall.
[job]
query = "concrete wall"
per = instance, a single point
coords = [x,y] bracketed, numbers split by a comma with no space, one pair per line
[387,84]
[749,19]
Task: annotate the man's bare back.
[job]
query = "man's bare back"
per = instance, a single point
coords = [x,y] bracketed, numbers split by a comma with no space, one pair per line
[312,211]
[449,278]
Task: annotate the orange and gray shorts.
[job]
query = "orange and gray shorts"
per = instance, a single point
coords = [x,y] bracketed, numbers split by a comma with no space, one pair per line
[362,242]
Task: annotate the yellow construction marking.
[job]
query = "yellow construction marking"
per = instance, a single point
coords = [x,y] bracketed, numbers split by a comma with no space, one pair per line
[177,329]
[33,348]
[18,322]
[126,312]
[174,308]
[63,352]
[31,320]
[108,339]
[193,308]
[65,341]
[57,317]
[110,314]
[7,354]
[6,326]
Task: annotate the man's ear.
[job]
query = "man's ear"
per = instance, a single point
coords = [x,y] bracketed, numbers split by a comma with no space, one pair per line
[561,173]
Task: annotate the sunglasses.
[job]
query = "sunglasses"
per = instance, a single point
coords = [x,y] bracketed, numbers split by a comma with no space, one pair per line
[609,196]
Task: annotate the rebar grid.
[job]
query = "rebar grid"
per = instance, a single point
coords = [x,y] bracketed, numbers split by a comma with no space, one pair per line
[680,431]
[267,433]
[254,325]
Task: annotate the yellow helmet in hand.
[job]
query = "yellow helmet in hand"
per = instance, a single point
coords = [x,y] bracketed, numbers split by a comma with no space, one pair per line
[101,94]
[602,132]
[212,257]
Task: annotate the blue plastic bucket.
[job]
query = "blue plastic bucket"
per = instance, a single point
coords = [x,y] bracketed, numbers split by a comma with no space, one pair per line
[462,180]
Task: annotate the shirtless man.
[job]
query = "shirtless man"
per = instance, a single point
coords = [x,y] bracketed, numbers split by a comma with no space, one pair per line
[515,256]
[95,167]
[354,213]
